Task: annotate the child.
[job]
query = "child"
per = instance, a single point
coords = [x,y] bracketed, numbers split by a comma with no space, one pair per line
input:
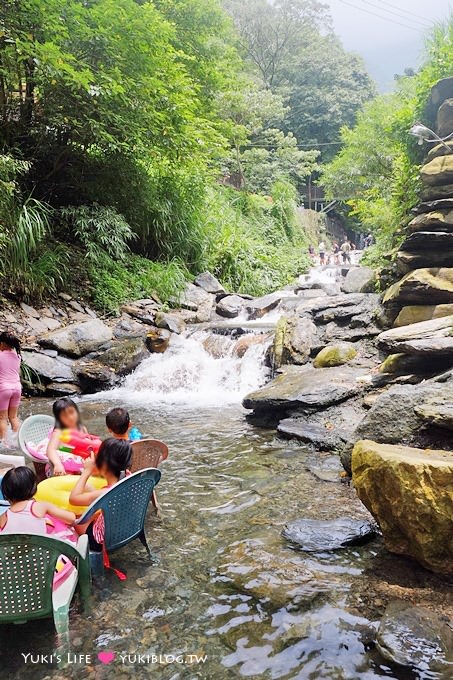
[118,423]
[112,463]
[67,417]
[26,516]
[10,386]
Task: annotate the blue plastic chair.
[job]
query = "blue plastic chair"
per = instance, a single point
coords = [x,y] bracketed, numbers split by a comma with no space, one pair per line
[124,507]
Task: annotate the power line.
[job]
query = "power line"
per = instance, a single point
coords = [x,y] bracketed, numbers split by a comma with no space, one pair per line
[406,11]
[425,23]
[298,146]
[379,16]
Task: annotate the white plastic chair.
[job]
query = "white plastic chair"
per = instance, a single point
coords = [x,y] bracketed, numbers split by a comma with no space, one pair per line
[35,429]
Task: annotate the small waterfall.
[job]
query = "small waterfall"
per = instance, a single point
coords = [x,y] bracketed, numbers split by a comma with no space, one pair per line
[201,369]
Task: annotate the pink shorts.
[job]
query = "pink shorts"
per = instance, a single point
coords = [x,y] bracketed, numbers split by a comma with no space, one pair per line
[10,399]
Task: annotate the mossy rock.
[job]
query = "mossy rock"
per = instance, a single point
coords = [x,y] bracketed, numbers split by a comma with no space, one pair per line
[439,171]
[417,313]
[335,355]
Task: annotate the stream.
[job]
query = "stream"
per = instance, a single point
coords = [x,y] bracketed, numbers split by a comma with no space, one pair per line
[225,586]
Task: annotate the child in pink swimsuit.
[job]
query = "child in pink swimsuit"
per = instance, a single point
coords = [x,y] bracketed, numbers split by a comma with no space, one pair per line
[26,516]
[10,385]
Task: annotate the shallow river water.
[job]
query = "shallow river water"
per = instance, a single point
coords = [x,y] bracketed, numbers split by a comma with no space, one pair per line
[225,587]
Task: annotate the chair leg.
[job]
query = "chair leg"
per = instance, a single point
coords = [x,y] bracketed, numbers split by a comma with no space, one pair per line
[61,620]
[144,542]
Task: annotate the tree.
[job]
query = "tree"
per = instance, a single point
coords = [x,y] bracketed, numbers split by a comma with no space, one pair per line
[292,47]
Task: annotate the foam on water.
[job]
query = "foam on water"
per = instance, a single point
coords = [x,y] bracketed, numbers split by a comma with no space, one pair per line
[188,374]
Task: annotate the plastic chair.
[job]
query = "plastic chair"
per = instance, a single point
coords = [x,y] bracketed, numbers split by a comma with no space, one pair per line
[35,429]
[27,568]
[124,507]
[148,453]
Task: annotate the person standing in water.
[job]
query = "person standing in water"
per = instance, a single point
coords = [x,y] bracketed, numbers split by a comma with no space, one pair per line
[10,385]
[322,253]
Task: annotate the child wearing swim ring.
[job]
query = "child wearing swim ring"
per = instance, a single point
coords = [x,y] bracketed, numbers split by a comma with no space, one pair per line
[67,417]
[112,462]
[26,516]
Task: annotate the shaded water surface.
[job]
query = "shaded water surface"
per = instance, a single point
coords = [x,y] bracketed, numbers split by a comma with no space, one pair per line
[226,586]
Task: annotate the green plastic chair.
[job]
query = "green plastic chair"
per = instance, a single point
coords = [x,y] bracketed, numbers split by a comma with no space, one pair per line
[27,568]
[124,507]
[35,429]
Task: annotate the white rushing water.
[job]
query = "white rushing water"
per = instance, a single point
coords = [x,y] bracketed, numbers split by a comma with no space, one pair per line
[200,370]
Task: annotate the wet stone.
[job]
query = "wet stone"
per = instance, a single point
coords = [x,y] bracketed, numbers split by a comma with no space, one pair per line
[312,535]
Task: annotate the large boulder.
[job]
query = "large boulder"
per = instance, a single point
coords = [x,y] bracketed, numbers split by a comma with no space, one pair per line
[409,493]
[195,299]
[435,220]
[441,91]
[342,308]
[435,334]
[439,171]
[209,283]
[306,387]
[445,118]
[393,418]
[428,240]
[48,368]
[422,286]
[417,638]
[335,355]
[407,262]
[418,313]
[294,337]
[78,339]
[230,306]
[359,280]
[124,356]
[437,411]
[440,193]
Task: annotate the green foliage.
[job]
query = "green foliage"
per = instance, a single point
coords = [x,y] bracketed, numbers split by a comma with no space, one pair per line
[114,283]
[98,230]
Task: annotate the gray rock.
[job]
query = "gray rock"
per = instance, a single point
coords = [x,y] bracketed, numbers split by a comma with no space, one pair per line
[436,411]
[439,218]
[428,240]
[407,262]
[37,325]
[76,306]
[344,309]
[171,322]
[230,306]
[306,387]
[209,283]
[65,296]
[313,535]
[352,333]
[93,376]
[394,339]
[63,389]
[124,356]
[444,122]
[311,433]
[48,368]
[128,328]
[78,339]
[415,637]
[359,280]
[393,418]
[29,311]
[260,306]
[193,297]
[294,339]
[143,314]
[429,347]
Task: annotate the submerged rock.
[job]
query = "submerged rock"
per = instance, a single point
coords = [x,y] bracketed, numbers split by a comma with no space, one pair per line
[78,339]
[315,535]
[263,573]
[409,493]
[316,388]
[311,433]
[415,637]
[335,355]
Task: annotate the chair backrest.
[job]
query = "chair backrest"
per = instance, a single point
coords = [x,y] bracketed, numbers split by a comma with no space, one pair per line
[124,507]
[148,453]
[27,567]
[34,429]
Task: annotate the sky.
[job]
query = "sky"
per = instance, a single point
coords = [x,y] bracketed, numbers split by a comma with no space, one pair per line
[392,41]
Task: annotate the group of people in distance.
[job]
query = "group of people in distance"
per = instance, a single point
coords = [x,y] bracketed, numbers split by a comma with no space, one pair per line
[112,462]
[332,256]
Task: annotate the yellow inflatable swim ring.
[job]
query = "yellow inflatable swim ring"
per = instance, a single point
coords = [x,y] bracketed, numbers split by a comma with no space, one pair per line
[57,490]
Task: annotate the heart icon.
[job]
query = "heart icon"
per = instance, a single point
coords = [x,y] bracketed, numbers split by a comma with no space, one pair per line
[106,657]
